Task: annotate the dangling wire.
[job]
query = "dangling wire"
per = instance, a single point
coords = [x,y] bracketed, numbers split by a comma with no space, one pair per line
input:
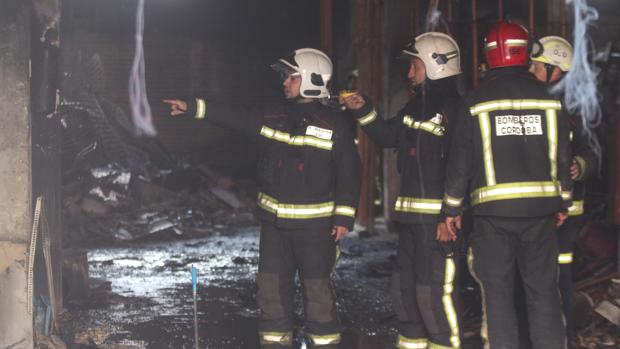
[140,108]
[579,85]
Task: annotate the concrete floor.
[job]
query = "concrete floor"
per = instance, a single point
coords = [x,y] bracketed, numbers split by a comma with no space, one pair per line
[151,305]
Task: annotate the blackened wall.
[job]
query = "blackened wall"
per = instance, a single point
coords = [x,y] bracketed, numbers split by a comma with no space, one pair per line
[217,49]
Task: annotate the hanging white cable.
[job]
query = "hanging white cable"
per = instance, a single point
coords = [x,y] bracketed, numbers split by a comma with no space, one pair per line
[32,253]
[140,108]
[579,85]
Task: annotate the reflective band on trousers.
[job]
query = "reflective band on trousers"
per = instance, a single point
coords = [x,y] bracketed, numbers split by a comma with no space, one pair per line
[515,104]
[565,258]
[296,140]
[408,343]
[452,201]
[427,126]
[324,339]
[516,190]
[576,209]
[448,304]
[303,211]
[201,108]
[417,205]
[283,338]
[484,327]
[368,118]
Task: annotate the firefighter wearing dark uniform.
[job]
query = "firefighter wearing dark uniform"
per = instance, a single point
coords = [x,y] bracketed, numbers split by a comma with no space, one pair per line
[552,57]
[511,152]
[309,179]
[423,280]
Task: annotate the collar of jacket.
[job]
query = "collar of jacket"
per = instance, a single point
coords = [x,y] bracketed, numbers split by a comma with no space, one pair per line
[508,71]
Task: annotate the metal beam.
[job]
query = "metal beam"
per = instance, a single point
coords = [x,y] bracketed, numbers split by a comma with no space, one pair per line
[327,31]
[369,24]
[474,42]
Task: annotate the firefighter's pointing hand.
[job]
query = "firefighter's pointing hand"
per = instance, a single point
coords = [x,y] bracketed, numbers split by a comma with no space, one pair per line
[177,106]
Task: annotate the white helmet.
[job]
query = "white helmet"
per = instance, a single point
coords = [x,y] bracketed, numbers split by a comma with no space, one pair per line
[439,52]
[314,67]
[553,50]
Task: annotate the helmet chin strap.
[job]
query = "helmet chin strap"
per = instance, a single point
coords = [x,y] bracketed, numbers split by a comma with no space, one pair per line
[549,69]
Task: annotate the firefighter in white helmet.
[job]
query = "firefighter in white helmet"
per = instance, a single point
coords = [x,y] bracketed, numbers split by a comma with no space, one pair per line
[423,279]
[552,58]
[309,177]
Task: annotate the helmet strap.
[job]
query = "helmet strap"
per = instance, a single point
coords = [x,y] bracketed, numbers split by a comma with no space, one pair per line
[549,68]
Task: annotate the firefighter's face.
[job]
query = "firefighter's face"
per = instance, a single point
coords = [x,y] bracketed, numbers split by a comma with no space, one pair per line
[540,72]
[417,72]
[291,84]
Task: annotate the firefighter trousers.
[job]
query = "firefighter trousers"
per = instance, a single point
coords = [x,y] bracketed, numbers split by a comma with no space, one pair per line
[499,245]
[423,290]
[312,254]
[567,235]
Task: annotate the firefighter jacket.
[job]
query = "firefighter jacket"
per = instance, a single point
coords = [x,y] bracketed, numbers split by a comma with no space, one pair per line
[419,134]
[587,161]
[308,171]
[511,149]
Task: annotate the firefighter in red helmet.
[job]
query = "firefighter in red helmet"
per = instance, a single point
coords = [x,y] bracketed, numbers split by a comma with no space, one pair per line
[512,155]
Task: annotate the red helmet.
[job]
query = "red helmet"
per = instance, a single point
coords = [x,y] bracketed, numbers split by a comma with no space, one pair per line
[506,45]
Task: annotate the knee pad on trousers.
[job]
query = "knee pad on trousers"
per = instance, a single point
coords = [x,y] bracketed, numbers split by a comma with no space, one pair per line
[426,304]
[397,298]
[268,296]
[320,300]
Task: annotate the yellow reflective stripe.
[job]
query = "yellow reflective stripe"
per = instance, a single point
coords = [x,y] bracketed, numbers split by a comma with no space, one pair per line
[311,141]
[570,136]
[514,104]
[284,338]
[201,108]
[514,190]
[296,140]
[325,339]
[295,211]
[516,42]
[427,126]
[408,343]
[487,149]
[448,304]
[345,211]
[368,118]
[566,195]
[305,211]
[268,203]
[576,209]
[452,201]
[552,134]
[565,258]
[417,205]
[484,328]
